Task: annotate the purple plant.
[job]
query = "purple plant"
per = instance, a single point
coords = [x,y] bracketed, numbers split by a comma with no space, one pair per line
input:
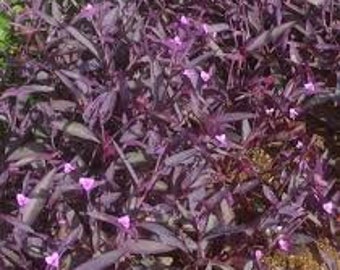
[193,122]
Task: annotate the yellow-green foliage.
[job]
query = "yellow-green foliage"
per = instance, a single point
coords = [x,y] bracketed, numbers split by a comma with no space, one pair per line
[7,39]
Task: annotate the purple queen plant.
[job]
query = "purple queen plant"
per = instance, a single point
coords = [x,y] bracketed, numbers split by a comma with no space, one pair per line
[195,118]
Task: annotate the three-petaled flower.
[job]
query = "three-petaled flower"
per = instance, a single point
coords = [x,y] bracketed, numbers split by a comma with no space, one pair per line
[283,243]
[309,87]
[258,254]
[53,259]
[86,183]
[328,207]
[124,221]
[299,145]
[68,167]
[88,7]
[269,111]
[177,40]
[184,20]
[293,113]
[22,200]
[205,76]
[189,73]
[222,139]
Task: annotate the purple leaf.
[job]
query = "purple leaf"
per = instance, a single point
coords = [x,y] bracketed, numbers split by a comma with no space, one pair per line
[38,198]
[184,157]
[103,261]
[166,236]
[237,116]
[145,247]
[269,36]
[17,223]
[83,40]
[70,85]
[26,90]
[246,187]
[223,230]
[30,150]
[75,129]
[269,194]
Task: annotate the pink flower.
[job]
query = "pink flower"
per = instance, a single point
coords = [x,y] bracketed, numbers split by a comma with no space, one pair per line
[309,87]
[299,145]
[328,207]
[184,20]
[221,138]
[88,7]
[258,254]
[205,76]
[283,244]
[189,73]
[177,41]
[53,259]
[293,113]
[86,183]
[124,221]
[269,111]
[68,168]
[22,200]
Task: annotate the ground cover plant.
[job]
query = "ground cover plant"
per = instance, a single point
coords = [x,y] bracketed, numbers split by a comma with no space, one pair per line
[171,135]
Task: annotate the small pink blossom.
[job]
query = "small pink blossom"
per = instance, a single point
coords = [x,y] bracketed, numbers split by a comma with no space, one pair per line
[269,111]
[88,7]
[309,87]
[68,167]
[22,200]
[205,76]
[184,20]
[221,138]
[328,207]
[190,73]
[293,113]
[299,145]
[177,40]
[283,244]
[124,221]
[53,259]
[258,254]
[86,183]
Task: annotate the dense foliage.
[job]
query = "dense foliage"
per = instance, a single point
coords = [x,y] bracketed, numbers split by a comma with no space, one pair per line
[171,135]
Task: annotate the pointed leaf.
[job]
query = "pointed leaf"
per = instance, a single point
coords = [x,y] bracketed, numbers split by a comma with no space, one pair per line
[145,247]
[237,116]
[82,39]
[103,261]
[246,186]
[26,90]
[28,151]
[17,223]
[224,230]
[269,194]
[218,27]
[75,129]
[186,156]
[165,235]
[38,198]
[269,36]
